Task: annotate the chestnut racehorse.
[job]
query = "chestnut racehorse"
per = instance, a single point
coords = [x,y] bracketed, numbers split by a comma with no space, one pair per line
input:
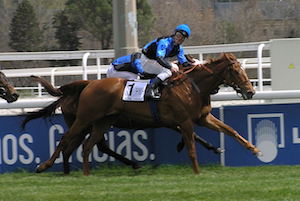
[68,103]
[185,101]
[7,91]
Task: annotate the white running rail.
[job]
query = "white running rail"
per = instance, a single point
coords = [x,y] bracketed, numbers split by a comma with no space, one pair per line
[259,63]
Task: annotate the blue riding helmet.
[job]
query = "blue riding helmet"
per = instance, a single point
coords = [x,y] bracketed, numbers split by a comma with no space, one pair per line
[184,29]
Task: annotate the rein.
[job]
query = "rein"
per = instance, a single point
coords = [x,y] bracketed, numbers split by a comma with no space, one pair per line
[234,86]
[182,76]
[186,71]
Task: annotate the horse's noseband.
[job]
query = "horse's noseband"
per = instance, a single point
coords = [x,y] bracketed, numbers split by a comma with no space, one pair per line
[2,92]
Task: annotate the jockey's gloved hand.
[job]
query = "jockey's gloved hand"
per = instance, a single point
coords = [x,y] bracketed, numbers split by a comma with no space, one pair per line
[174,67]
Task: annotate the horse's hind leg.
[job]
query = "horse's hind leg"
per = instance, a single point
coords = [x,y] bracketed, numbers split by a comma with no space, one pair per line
[213,123]
[102,146]
[49,163]
[97,134]
[74,131]
[188,136]
[75,143]
[69,120]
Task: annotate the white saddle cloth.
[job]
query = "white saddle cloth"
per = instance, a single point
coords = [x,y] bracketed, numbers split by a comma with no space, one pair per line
[134,91]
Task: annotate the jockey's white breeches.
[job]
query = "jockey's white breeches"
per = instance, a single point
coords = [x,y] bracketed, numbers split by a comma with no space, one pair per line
[153,67]
[112,72]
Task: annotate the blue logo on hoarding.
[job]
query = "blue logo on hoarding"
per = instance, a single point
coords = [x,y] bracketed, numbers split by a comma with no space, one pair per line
[266,132]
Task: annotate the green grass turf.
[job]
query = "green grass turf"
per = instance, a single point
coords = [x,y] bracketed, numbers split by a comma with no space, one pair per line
[164,183]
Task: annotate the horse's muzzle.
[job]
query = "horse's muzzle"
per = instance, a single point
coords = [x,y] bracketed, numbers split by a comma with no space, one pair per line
[248,95]
[11,98]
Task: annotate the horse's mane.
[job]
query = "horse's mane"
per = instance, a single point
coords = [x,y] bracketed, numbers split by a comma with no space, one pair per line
[228,56]
[180,77]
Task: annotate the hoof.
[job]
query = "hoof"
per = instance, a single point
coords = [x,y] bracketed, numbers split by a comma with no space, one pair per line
[256,152]
[180,147]
[219,151]
[66,173]
[136,166]
[41,167]
[37,169]
[259,154]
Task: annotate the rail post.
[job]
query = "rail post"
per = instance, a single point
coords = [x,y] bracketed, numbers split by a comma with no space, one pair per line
[259,69]
[53,76]
[40,90]
[98,68]
[201,56]
[84,65]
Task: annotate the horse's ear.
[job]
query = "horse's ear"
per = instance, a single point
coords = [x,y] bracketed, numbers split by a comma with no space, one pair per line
[229,56]
[224,56]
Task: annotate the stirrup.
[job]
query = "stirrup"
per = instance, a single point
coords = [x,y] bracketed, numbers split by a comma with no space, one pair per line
[215,91]
[152,94]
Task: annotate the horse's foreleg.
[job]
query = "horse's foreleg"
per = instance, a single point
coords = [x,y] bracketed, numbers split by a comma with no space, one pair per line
[213,123]
[188,136]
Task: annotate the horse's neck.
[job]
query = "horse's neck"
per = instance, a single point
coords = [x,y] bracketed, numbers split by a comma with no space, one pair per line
[206,81]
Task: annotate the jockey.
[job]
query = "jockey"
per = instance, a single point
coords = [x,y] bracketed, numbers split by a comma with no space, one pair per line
[128,67]
[155,53]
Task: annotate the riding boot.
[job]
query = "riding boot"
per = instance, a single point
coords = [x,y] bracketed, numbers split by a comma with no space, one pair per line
[151,90]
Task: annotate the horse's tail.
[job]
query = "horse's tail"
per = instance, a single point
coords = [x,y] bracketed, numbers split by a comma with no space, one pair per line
[72,90]
[45,112]
[48,86]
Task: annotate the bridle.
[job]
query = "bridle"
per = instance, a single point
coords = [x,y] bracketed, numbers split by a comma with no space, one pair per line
[232,84]
[3,86]
[222,77]
[5,90]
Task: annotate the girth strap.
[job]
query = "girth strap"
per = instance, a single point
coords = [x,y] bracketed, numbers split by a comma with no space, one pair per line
[154,110]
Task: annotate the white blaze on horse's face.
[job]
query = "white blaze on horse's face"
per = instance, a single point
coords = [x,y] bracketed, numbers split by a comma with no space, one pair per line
[240,77]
